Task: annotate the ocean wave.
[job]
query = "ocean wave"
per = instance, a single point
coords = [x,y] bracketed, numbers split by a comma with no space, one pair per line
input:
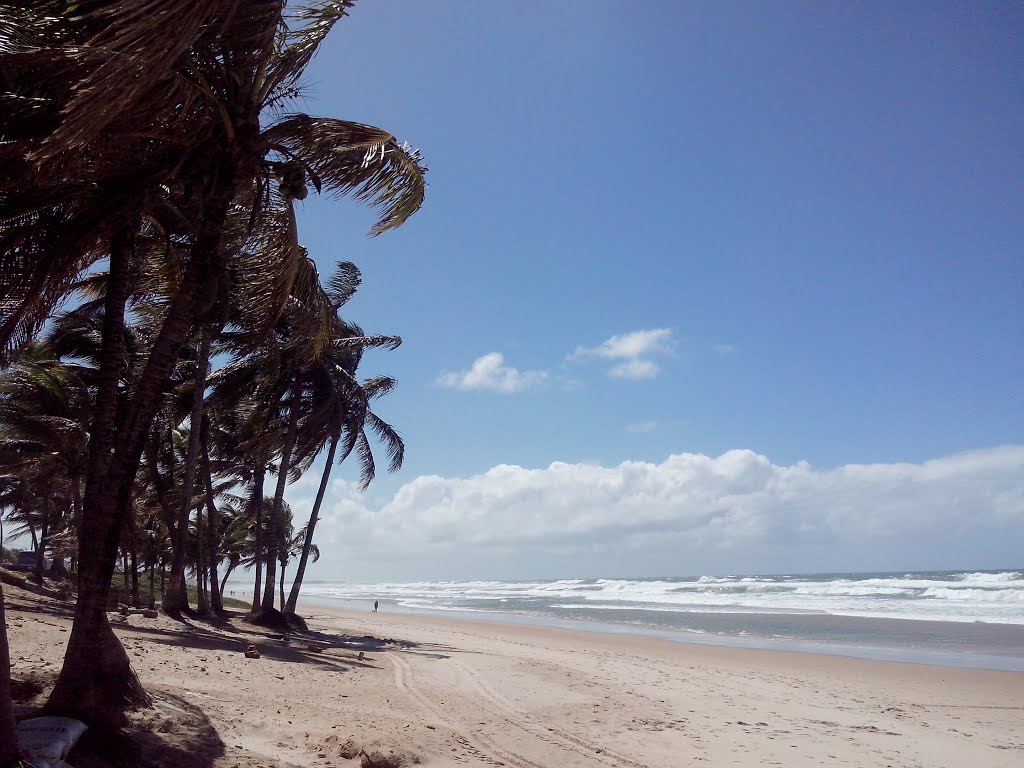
[940,596]
[982,578]
[996,595]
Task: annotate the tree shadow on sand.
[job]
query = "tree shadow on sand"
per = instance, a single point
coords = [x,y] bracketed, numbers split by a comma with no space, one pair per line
[174,732]
[329,650]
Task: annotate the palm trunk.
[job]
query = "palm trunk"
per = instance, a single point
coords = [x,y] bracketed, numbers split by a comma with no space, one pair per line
[96,683]
[174,602]
[8,736]
[135,579]
[134,562]
[300,571]
[76,504]
[44,532]
[257,500]
[274,524]
[212,520]
[202,599]
[281,584]
[231,566]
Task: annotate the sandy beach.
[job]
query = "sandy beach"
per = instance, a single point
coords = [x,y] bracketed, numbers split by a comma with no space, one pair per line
[400,689]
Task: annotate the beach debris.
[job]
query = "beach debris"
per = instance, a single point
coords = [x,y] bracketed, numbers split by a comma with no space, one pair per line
[251,652]
[360,657]
[375,758]
[46,741]
[348,750]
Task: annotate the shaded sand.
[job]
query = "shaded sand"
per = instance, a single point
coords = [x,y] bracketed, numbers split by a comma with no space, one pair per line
[466,693]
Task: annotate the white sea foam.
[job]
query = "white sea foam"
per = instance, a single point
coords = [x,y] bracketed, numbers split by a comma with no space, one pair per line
[953,596]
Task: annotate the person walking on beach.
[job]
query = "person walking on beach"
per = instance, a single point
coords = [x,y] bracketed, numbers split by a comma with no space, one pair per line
[375,606]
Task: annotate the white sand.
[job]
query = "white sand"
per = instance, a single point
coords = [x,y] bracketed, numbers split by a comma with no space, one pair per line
[465,693]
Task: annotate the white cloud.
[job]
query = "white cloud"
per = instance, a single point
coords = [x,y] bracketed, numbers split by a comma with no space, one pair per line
[635,370]
[736,512]
[632,352]
[723,349]
[489,372]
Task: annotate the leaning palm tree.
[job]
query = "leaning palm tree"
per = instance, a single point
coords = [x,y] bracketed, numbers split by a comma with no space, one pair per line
[342,411]
[283,372]
[116,126]
[176,598]
[289,549]
[271,377]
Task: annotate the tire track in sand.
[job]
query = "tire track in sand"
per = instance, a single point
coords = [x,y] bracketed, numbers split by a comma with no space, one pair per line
[524,720]
[477,744]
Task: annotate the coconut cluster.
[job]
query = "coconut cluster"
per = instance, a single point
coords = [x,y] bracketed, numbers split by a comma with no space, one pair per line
[292,178]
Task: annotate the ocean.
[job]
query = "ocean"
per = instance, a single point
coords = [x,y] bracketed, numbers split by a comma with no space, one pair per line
[957,618]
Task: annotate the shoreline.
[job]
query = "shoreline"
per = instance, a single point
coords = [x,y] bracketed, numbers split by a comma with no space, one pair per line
[728,688]
[969,645]
[449,692]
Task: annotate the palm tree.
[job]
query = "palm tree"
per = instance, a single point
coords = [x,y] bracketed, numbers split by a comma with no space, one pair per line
[213,526]
[283,373]
[274,373]
[237,543]
[25,496]
[175,599]
[288,549]
[249,434]
[9,752]
[115,127]
[43,441]
[44,414]
[343,408]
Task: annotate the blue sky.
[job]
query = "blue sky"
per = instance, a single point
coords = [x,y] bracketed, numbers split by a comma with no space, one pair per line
[789,231]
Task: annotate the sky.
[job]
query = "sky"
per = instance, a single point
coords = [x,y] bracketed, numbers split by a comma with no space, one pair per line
[698,288]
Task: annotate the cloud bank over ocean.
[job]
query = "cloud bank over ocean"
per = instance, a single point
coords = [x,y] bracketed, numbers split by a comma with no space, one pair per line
[737,512]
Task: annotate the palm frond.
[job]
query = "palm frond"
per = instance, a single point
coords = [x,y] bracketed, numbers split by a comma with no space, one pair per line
[343,283]
[369,342]
[393,443]
[361,161]
[305,30]
[136,62]
[378,386]
[367,466]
